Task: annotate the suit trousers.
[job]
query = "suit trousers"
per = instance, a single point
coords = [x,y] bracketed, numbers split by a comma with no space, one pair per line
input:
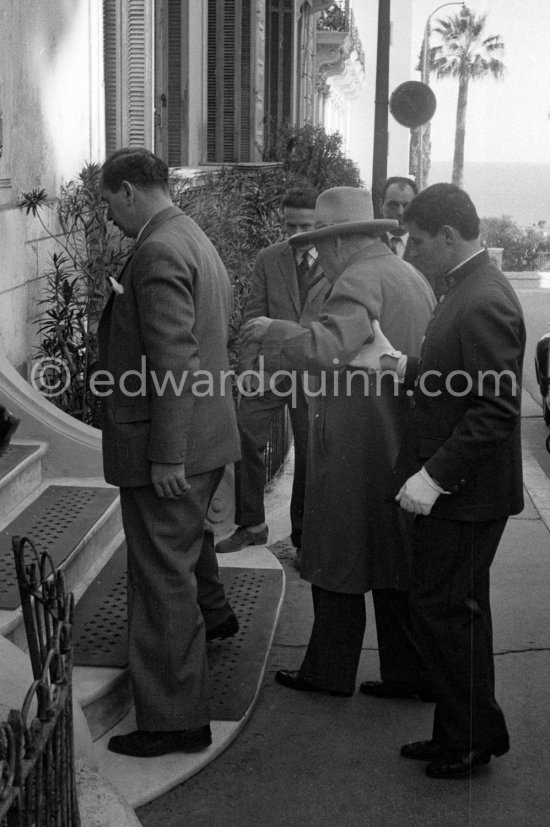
[451,615]
[398,652]
[174,593]
[334,648]
[254,417]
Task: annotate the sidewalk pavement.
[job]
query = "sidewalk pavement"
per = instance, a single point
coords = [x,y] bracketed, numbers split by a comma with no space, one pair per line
[307,760]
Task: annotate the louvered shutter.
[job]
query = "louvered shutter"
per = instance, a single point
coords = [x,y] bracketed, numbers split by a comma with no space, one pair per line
[110,68]
[230,116]
[128,68]
[279,61]
[175,120]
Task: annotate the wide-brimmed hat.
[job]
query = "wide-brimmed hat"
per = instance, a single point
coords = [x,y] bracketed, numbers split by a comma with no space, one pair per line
[344,210]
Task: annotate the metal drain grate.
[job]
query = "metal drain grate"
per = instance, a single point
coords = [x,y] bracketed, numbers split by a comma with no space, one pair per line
[56,522]
[100,631]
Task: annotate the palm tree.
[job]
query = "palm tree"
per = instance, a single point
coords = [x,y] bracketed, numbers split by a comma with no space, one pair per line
[465,53]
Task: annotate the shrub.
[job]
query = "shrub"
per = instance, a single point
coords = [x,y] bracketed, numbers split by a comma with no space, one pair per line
[309,156]
[520,246]
[92,250]
[239,211]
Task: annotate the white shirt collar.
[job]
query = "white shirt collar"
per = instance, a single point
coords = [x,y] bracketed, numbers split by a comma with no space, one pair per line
[458,266]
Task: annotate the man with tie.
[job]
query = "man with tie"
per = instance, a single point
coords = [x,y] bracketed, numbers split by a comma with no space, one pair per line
[397,193]
[287,284]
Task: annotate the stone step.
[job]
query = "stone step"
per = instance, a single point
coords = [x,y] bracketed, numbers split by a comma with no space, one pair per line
[140,781]
[77,523]
[99,633]
[20,473]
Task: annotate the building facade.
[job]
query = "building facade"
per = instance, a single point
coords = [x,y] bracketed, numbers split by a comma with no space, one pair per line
[200,82]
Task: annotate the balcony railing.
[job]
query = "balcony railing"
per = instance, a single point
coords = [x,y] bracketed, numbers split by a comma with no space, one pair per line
[339,18]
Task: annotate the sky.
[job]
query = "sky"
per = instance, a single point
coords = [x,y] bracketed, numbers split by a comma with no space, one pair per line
[507,120]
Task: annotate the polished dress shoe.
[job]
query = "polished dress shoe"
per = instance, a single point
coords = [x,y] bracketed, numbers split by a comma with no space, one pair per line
[228,628]
[396,689]
[458,764]
[143,744]
[422,750]
[241,538]
[293,680]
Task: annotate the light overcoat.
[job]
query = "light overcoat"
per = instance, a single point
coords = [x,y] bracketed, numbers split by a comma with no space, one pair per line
[274,293]
[354,538]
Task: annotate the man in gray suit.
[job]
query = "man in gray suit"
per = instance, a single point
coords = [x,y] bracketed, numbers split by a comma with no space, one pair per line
[287,284]
[165,444]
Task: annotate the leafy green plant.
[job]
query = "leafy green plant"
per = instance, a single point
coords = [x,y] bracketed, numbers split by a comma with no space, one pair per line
[520,246]
[92,250]
[239,211]
[310,156]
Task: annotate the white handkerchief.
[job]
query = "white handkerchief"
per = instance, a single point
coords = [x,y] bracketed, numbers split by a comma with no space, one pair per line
[116,285]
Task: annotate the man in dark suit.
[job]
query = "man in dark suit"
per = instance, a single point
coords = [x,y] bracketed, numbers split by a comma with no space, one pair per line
[166,446]
[397,193]
[287,284]
[461,474]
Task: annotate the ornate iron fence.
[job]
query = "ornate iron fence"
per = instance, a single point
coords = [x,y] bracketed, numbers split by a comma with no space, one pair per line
[37,773]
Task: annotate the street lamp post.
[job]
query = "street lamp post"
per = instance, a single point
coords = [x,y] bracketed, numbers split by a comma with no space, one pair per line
[425,78]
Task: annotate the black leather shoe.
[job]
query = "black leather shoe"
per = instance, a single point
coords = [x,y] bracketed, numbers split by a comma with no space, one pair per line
[396,689]
[422,750]
[293,680]
[241,538]
[459,764]
[228,628]
[144,744]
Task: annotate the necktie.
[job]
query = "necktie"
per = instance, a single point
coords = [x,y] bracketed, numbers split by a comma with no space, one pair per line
[394,241]
[302,271]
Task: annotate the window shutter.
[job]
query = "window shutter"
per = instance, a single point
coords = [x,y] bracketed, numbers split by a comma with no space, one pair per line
[110,69]
[128,68]
[229,89]
[175,121]
[138,71]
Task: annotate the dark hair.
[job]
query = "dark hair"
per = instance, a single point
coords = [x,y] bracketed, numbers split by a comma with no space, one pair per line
[302,198]
[138,166]
[398,179]
[440,205]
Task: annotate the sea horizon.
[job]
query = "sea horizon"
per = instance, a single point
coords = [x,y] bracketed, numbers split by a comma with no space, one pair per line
[518,189]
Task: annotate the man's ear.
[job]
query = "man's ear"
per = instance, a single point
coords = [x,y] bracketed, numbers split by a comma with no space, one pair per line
[449,234]
[128,191]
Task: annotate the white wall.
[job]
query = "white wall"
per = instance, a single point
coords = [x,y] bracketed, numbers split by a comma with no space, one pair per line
[52,103]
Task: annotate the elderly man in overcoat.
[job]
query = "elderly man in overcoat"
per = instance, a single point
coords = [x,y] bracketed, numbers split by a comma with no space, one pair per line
[354,539]
[165,444]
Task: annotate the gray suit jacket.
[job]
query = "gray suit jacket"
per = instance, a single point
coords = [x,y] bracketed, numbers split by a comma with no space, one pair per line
[164,343]
[274,293]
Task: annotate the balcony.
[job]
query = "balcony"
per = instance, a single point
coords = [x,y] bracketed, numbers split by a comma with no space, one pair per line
[339,49]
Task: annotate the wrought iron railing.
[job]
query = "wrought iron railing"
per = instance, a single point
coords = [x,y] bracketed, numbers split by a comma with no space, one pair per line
[37,772]
[339,17]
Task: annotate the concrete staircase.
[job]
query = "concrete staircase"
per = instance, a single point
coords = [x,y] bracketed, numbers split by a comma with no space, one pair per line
[52,489]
